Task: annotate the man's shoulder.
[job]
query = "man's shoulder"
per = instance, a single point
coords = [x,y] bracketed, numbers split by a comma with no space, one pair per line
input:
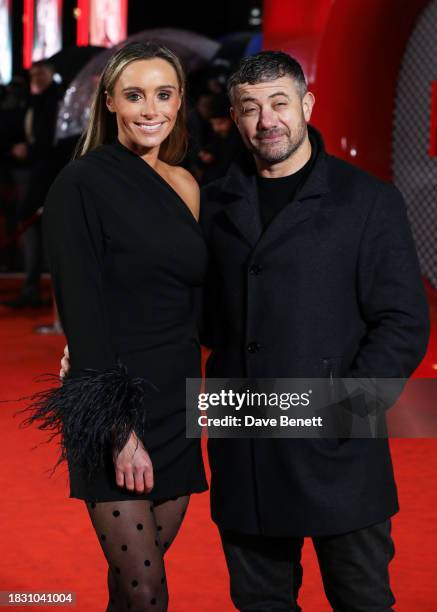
[342,173]
[214,190]
[360,189]
[214,198]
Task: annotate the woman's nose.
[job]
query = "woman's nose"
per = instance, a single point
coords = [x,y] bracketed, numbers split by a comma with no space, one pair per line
[148,108]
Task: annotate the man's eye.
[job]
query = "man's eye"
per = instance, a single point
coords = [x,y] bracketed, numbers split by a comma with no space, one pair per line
[281,104]
[249,110]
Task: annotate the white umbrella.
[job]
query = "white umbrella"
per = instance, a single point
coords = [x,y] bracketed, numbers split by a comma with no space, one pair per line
[194,50]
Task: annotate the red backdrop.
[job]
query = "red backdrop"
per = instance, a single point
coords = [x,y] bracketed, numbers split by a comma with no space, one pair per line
[351,53]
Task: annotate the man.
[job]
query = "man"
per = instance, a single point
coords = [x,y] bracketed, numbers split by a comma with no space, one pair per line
[38,151]
[313,274]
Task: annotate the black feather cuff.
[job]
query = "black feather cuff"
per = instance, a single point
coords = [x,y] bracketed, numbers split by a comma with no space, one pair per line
[92,413]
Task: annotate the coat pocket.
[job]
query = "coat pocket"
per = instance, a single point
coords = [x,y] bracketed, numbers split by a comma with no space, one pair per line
[331,367]
[336,418]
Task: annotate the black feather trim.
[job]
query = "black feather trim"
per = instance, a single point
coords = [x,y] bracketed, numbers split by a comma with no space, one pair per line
[91,413]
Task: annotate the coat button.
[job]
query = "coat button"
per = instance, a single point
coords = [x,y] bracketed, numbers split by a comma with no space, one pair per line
[255,269]
[253,347]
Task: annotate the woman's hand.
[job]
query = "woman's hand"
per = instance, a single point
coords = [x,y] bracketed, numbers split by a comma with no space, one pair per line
[65,364]
[133,467]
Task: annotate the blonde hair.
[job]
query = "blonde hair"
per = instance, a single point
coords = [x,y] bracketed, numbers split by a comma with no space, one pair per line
[102,126]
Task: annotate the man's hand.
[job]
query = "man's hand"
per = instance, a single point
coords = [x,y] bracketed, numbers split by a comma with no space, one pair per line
[133,467]
[65,364]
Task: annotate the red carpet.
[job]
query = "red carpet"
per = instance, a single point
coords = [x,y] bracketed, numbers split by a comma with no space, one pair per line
[47,543]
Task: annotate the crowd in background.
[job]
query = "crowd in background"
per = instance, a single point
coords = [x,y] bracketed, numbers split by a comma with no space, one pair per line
[30,158]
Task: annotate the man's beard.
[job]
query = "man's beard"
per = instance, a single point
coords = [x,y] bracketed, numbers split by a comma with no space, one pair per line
[274,153]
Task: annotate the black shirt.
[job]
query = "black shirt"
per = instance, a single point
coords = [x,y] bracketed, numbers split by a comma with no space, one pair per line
[275,193]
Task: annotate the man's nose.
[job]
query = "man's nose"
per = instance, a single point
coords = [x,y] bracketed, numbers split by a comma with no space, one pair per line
[266,119]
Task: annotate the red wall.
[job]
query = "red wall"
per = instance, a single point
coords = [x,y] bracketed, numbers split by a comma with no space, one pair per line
[351,52]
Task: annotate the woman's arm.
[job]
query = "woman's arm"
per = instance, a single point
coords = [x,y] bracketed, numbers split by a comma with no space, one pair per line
[132,469]
[99,405]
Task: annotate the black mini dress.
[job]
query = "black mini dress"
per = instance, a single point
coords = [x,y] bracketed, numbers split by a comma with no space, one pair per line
[127,260]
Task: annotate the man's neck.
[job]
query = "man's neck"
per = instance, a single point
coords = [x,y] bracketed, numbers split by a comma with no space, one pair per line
[292,164]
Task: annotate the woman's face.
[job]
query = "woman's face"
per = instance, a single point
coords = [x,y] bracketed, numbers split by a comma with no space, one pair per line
[146,100]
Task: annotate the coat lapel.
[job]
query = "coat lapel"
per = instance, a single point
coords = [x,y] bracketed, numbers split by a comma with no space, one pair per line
[242,207]
[304,206]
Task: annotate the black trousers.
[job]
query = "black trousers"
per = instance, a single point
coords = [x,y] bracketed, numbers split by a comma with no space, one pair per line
[33,259]
[266,574]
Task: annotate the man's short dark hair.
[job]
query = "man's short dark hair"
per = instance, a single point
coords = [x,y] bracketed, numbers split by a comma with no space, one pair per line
[267,66]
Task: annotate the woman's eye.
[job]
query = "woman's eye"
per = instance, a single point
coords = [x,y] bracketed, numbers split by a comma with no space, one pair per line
[164,95]
[133,97]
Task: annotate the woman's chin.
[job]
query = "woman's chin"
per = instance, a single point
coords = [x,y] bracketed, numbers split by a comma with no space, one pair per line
[150,141]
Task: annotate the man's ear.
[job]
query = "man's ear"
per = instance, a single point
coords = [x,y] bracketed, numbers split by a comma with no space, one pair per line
[234,115]
[308,102]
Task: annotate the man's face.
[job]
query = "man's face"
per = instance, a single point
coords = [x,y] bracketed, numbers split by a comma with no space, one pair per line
[272,117]
[41,78]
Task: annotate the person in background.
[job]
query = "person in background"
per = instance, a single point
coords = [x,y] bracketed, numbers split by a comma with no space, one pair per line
[199,131]
[224,145]
[38,151]
[13,105]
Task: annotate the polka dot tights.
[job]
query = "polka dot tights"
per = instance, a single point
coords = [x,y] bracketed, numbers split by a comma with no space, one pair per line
[134,535]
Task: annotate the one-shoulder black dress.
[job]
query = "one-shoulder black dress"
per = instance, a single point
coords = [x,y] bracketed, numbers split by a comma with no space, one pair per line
[127,260]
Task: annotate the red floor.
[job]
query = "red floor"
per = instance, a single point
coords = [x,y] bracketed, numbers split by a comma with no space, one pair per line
[48,545]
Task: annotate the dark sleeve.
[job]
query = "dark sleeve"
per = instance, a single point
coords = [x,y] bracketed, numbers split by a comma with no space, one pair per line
[75,251]
[391,293]
[98,405]
[207,300]
[209,303]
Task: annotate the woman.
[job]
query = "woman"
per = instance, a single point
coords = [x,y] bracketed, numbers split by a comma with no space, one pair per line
[126,256]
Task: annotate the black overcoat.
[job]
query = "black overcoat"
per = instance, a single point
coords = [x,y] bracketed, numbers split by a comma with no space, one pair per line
[331,288]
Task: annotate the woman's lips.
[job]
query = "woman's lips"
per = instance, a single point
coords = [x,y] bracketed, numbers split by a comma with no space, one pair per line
[149,128]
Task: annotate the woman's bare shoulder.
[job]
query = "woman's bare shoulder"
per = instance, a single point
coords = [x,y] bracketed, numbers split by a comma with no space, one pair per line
[185,185]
